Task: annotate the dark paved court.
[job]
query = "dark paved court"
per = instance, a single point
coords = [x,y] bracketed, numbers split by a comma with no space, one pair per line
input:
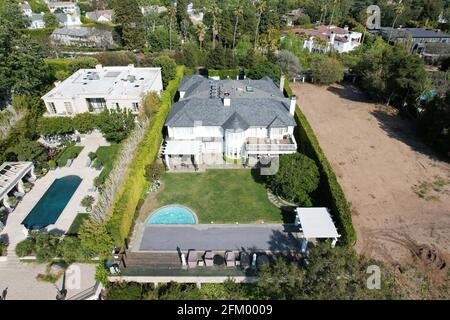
[218,237]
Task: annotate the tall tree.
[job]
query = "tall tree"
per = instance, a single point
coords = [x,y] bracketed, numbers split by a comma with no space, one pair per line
[129,16]
[200,30]
[215,12]
[171,13]
[238,12]
[260,8]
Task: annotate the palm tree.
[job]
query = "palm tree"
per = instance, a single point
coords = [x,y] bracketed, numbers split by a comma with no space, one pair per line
[171,14]
[238,13]
[335,2]
[260,8]
[215,12]
[323,11]
[398,11]
[200,29]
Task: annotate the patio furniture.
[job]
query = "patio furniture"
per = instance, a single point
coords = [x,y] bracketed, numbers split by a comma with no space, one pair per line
[244,259]
[192,258]
[208,258]
[218,260]
[230,259]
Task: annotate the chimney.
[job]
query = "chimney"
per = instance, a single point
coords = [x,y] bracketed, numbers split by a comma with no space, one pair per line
[346,28]
[130,68]
[282,79]
[292,105]
[99,67]
[182,93]
[332,37]
[226,99]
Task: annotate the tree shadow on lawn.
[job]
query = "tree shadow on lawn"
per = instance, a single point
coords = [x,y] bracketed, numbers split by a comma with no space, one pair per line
[287,213]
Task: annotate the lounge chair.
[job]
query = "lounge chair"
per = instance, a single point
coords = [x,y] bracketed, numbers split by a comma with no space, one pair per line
[244,259]
[208,258]
[192,258]
[230,259]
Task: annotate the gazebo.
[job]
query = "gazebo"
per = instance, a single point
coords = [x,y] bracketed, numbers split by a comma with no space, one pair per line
[316,223]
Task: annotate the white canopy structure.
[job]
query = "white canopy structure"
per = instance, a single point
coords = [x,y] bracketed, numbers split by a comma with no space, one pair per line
[316,223]
[182,148]
[11,175]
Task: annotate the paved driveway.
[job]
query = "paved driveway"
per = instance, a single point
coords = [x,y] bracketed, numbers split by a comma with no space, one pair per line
[217,237]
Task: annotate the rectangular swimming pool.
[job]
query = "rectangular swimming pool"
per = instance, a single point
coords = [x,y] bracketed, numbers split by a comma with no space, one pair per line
[52,203]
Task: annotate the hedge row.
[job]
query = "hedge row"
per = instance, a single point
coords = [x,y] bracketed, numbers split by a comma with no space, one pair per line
[122,214]
[58,64]
[223,74]
[329,185]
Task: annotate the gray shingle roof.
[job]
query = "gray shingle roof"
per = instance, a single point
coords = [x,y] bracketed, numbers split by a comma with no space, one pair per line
[415,33]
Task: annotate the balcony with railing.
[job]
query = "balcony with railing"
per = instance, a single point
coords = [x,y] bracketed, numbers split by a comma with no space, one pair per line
[266,145]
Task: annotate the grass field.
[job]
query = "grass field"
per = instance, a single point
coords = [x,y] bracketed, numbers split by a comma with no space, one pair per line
[105,158]
[222,196]
[70,152]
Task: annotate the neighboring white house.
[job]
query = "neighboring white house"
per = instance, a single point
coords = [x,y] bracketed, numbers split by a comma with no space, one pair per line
[66,6]
[155,8]
[323,39]
[92,90]
[68,20]
[37,21]
[83,37]
[237,119]
[26,9]
[100,15]
[195,16]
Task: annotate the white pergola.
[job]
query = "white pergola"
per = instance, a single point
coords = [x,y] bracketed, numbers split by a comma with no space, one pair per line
[316,223]
[11,175]
[182,147]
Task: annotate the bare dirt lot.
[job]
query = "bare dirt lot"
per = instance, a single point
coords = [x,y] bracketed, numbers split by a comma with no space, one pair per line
[398,190]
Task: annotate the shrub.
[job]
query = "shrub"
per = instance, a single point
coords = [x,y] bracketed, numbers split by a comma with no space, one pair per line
[263,69]
[297,177]
[85,122]
[51,126]
[326,70]
[25,247]
[168,68]
[46,247]
[150,104]
[154,171]
[125,291]
[116,125]
[101,274]
[71,250]
[92,155]
[52,164]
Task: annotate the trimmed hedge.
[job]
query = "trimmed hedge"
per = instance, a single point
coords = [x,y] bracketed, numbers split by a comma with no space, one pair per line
[121,216]
[58,64]
[332,191]
[223,74]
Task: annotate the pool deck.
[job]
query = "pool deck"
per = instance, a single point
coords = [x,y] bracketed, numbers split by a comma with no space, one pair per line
[264,237]
[17,232]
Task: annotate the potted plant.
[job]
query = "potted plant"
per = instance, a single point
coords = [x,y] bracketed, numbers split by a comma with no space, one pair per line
[87,202]
[27,186]
[12,201]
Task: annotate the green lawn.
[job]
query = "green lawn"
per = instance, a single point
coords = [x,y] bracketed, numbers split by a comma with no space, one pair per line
[222,196]
[71,152]
[105,158]
[75,226]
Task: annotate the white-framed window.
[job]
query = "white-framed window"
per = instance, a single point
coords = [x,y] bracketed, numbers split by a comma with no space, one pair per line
[135,106]
[68,106]
[278,131]
[52,107]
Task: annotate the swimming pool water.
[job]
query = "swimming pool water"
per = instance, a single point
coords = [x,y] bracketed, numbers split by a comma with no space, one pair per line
[52,203]
[172,215]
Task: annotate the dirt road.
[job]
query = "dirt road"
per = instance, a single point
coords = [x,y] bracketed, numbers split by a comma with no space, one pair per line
[399,192]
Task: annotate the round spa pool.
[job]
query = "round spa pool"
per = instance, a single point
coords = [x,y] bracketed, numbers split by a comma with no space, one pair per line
[173,214]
